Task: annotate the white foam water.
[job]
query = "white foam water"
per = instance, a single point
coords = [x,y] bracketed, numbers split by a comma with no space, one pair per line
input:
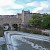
[12,37]
[18,37]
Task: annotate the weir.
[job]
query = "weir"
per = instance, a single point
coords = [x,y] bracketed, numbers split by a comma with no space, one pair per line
[26,41]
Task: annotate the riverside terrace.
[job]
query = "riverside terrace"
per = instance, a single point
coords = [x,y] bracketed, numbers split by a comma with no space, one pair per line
[19,40]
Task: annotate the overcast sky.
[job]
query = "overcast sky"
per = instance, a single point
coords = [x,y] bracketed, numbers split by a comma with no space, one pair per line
[12,7]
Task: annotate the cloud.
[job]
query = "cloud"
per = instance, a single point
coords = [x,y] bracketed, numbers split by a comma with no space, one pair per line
[12,6]
[6,12]
[6,5]
[34,4]
[6,2]
[42,6]
[16,6]
[37,9]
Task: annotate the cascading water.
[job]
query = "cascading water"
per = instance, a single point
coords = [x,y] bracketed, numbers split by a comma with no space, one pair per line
[25,41]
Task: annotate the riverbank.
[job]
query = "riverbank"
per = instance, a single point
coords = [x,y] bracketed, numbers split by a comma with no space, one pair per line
[33,30]
[45,32]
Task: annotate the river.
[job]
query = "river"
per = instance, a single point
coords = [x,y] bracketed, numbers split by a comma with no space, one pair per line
[26,41]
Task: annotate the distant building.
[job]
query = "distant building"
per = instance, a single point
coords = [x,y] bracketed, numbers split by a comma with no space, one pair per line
[19,19]
[25,16]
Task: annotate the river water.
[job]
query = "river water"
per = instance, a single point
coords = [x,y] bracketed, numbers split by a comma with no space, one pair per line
[2,41]
[25,41]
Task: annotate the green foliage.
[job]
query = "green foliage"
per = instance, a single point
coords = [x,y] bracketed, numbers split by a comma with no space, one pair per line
[40,21]
[46,21]
[3,46]
[36,20]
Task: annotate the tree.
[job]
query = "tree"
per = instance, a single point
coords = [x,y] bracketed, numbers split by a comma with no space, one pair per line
[36,20]
[46,21]
[40,21]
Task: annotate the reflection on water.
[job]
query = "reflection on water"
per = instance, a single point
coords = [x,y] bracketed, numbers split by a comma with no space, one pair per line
[24,41]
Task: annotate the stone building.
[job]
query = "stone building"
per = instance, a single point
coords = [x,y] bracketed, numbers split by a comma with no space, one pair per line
[25,16]
[19,19]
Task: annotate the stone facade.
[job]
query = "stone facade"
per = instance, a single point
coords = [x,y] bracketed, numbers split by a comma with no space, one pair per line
[21,18]
[10,19]
[25,16]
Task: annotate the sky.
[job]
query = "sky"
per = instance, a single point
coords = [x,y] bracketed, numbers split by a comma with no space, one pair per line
[12,7]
